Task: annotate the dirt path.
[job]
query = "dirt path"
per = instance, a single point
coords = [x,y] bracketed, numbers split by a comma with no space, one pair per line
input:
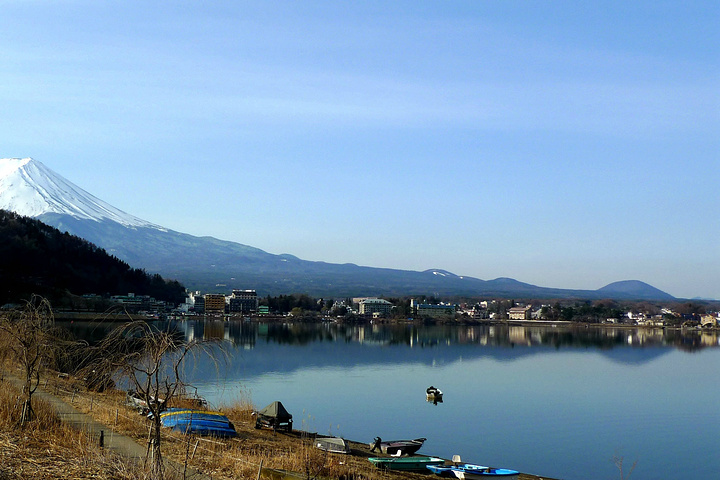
[116,443]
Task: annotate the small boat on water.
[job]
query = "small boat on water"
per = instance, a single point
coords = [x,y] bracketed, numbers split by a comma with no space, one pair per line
[470,471]
[198,422]
[405,463]
[397,447]
[433,394]
[332,444]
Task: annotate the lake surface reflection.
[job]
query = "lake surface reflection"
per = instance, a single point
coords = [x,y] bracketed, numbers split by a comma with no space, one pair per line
[559,402]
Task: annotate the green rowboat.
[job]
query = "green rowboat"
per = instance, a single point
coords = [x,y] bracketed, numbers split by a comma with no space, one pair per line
[405,463]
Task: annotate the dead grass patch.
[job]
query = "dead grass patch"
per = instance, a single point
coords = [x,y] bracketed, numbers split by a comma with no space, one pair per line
[48,449]
[238,458]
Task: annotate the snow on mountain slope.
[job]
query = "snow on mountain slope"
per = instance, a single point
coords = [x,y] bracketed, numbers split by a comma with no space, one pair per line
[30,188]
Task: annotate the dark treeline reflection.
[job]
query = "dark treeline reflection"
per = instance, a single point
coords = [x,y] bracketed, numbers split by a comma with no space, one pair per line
[248,334]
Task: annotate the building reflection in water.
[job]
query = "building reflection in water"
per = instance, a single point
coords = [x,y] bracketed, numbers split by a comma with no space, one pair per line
[246,334]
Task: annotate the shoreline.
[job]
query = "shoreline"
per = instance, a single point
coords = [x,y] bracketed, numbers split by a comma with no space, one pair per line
[83,411]
[122,317]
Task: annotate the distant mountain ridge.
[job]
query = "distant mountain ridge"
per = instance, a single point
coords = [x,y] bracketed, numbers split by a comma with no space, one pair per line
[29,188]
[632,288]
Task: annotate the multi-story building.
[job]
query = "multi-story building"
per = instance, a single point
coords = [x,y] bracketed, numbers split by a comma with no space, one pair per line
[371,306]
[243,301]
[198,303]
[519,313]
[214,303]
[432,311]
[136,303]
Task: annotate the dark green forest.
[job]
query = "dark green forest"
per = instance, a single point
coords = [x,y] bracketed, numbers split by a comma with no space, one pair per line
[38,259]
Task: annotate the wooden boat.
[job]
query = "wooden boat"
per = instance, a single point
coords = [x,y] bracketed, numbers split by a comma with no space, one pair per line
[198,422]
[405,463]
[470,471]
[397,447]
[331,444]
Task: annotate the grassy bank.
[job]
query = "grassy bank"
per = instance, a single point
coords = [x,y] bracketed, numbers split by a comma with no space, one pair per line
[48,449]
[45,448]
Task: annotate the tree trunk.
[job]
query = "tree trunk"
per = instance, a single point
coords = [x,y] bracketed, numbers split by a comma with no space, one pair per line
[157,466]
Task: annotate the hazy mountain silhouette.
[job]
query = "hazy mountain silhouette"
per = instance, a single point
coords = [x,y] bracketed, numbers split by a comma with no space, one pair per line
[29,188]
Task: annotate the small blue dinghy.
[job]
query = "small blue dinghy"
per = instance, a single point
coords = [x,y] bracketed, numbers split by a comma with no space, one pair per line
[441,470]
[198,422]
[470,471]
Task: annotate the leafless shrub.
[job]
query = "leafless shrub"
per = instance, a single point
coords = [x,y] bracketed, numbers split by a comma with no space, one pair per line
[152,361]
[31,342]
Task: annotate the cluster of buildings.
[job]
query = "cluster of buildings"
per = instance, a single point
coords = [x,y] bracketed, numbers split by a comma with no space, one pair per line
[137,303]
[238,302]
[378,307]
[480,311]
[245,302]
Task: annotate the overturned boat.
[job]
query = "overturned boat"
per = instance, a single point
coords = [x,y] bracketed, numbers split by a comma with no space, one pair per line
[198,422]
[332,444]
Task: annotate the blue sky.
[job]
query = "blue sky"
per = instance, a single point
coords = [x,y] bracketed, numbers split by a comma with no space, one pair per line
[565,144]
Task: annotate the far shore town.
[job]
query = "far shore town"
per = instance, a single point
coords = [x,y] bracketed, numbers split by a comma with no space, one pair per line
[244,304]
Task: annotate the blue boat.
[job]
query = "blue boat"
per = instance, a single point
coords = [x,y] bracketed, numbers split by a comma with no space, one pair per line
[198,422]
[470,471]
[441,470]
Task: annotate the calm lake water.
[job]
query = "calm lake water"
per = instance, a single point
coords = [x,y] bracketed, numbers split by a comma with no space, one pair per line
[559,402]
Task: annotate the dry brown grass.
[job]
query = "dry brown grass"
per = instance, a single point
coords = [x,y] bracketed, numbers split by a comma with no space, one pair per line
[238,458]
[47,449]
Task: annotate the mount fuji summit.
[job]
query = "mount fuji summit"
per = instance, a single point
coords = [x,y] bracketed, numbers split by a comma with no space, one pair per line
[29,188]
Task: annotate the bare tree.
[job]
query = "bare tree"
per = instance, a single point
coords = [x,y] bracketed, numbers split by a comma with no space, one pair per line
[29,341]
[152,361]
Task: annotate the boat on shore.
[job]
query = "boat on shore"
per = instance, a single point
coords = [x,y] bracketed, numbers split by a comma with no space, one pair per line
[332,444]
[397,447]
[441,470]
[405,463]
[470,471]
[274,416]
[198,422]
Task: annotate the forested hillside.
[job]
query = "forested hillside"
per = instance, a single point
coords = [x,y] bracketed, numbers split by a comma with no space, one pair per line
[37,258]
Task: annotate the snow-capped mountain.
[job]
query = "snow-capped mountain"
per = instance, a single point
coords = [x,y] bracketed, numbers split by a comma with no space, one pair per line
[30,188]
